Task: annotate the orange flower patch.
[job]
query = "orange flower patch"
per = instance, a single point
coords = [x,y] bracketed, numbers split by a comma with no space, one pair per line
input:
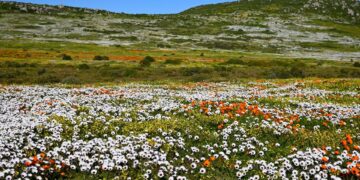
[207,163]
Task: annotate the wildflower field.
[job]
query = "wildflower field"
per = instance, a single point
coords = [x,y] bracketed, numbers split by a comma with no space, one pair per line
[265,129]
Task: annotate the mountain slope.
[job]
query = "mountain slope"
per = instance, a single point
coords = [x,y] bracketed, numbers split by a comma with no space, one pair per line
[298,28]
[338,9]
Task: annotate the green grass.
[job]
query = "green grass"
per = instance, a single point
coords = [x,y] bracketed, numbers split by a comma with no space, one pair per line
[73,72]
[331,45]
[342,29]
[41,63]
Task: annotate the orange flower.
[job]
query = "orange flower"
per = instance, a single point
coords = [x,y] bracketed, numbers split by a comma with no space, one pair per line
[355,158]
[355,171]
[349,139]
[230,115]
[35,160]
[42,155]
[342,123]
[221,126]
[207,163]
[336,152]
[267,116]
[325,159]
[333,170]
[193,103]
[46,167]
[328,115]
[357,147]
[212,158]
[344,143]
[323,166]
[27,163]
[325,124]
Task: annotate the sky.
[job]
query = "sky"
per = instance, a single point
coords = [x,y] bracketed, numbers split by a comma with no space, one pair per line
[132,6]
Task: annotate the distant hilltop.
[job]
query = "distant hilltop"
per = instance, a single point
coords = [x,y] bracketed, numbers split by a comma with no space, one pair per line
[46,9]
[321,29]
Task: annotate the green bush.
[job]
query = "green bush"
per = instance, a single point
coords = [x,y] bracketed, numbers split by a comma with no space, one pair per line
[235,61]
[70,80]
[13,64]
[147,61]
[83,66]
[100,58]
[173,61]
[66,57]
[190,71]
[356,64]
[129,73]
[41,71]
[297,72]
[48,79]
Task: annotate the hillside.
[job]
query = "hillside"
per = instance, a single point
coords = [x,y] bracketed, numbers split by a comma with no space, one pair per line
[321,29]
[340,10]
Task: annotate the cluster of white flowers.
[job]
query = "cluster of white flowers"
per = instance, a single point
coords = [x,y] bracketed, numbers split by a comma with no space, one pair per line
[33,119]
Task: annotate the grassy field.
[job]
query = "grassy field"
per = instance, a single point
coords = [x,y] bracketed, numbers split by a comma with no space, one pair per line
[43,63]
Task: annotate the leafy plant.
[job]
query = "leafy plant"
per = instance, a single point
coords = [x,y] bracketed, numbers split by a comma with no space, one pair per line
[173,61]
[100,58]
[147,61]
[66,57]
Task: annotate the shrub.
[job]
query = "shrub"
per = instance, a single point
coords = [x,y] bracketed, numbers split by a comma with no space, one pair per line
[190,71]
[48,79]
[356,64]
[147,61]
[83,66]
[13,64]
[70,80]
[235,61]
[129,72]
[279,73]
[66,57]
[41,71]
[163,45]
[100,58]
[297,72]
[173,61]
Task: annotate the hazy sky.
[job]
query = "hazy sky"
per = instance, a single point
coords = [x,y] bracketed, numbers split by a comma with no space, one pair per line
[132,6]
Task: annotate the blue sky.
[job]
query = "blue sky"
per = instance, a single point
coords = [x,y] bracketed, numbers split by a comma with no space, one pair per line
[132,6]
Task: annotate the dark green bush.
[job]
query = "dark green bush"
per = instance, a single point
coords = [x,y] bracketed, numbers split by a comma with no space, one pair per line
[41,71]
[356,64]
[100,58]
[66,57]
[83,66]
[297,72]
[173,61]
[147,61]
[70,80]
[160,45]
[129,73]
[278,73]
[48,79]
[190,71]
[235,61]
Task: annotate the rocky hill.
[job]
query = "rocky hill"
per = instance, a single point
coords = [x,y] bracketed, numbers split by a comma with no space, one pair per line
[324,29]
